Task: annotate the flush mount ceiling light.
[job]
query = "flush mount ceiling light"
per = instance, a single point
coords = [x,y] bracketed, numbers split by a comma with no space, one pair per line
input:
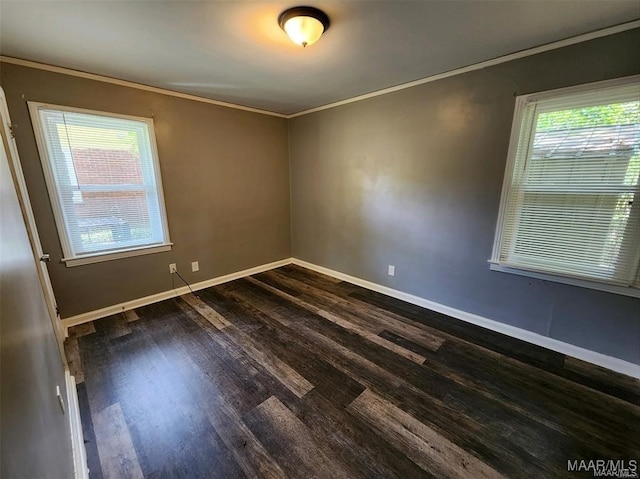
[304,25]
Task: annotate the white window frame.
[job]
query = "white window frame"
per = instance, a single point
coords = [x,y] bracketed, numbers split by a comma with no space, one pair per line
[516,128]
[87,258]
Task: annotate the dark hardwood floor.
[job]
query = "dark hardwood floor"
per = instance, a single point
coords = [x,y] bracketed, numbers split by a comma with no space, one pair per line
[290,373]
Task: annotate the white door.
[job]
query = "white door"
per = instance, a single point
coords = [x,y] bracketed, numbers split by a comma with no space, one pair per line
[41,257]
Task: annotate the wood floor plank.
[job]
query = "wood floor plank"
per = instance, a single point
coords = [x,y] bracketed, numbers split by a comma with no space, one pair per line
[274,365]
[249,452]
[72,352]
[235,357]
[324,376]
[513,459]
[575,409]
[601,379]
[433,452]
[631,385]
[381,303]
[528,353]
[112,327]
[338,435]
[82,330]
[214,389]
[207,312]
[278,368]
[166,424]
[96,364]
[345,359]
[364,367]
[291,373]
[226,369]
[479,407]
[293,446]
[344,324]
[292,349]
[419,332]
[226,305]
[358,313]
[309,276]
[117,454]
[262,300]
[345,434]
[406,343]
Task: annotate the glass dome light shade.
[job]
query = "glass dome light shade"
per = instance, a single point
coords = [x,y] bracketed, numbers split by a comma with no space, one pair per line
[304,30]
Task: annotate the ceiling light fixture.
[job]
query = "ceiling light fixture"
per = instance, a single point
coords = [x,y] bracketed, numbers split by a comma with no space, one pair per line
[304,25]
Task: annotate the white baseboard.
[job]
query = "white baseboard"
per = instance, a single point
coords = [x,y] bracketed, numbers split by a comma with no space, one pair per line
[609,362]
[81,470]
[172,293]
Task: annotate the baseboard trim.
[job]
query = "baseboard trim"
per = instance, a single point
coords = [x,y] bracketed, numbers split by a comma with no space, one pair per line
[599,359]
[172,293]
[80,467]
[593,357]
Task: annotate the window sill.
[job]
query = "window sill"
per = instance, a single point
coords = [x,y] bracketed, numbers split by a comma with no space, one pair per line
[127,253]
[583,283]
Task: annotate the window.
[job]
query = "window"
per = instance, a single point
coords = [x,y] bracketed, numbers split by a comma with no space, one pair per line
[570,210]
[103,179]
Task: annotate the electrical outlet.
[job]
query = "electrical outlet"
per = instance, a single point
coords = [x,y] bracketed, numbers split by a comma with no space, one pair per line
[195,266]
[392,270]
[173,268]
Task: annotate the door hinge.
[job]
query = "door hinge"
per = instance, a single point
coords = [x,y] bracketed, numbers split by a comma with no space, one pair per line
[11,128]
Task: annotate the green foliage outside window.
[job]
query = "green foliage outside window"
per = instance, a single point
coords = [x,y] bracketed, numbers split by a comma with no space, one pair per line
[604,115]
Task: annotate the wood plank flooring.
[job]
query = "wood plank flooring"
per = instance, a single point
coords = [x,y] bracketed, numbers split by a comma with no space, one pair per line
[292,374]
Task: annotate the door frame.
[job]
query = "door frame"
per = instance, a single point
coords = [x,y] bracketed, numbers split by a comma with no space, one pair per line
[11,149]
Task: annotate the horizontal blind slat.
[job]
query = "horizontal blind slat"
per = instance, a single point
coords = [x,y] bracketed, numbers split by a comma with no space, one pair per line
[105,176]
[570,208]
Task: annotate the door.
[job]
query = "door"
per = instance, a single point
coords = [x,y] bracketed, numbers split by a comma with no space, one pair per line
[41,257]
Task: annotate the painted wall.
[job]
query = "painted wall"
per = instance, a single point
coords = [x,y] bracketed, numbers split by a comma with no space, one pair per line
[413,178]
[225,176]
[35,438]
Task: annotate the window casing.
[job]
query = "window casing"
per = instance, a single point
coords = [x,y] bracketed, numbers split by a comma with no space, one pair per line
[103,178]
[570,210]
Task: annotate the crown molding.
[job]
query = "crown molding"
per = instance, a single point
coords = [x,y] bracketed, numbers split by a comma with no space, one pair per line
[139,86]
[479,66]
[458,71]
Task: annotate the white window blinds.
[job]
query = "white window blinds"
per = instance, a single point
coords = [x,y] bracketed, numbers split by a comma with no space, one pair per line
[572,206]
[103,180]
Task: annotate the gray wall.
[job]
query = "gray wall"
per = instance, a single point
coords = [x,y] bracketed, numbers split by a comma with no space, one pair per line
[35,439]
[413,178]
[225,176]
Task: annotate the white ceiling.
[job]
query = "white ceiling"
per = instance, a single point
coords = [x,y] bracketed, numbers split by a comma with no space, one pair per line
[234,51]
